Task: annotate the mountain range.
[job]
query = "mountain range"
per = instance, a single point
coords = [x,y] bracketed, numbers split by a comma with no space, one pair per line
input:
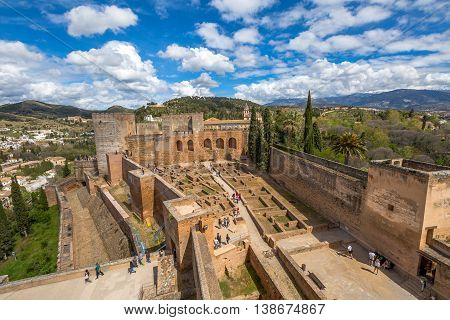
[403,99]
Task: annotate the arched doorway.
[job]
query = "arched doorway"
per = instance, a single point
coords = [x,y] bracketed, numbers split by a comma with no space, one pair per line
[179,145]
[190,145]
[232,143]
[219,143]
[207,144]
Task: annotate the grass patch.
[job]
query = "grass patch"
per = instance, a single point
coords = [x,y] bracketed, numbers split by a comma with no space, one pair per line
[36,254]
[244,281]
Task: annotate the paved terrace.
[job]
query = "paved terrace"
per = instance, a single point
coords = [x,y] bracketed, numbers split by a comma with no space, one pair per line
[116,284]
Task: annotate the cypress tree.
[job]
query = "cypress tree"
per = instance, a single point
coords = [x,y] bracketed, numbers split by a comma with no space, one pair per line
[43,204]
[6,242]
[66,169]
[19,208]
[262,149]
[317,136]
[253,136]
[308,134]
[269,132]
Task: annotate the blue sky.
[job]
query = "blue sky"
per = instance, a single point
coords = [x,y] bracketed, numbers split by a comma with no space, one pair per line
[94,54]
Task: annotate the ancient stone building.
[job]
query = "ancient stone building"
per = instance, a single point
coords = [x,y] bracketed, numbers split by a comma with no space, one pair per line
[175,139]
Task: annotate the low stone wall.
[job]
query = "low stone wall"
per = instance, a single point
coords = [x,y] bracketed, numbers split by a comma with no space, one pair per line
[50,194]
[120,216]
[270,285]
[306,285]
[65,242]
[59,277]
[229,260]
[205,276]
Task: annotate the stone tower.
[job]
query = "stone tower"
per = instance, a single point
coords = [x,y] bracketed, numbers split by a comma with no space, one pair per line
[111,129]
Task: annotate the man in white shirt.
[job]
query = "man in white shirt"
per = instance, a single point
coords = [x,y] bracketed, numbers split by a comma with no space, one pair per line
[350,251]
[371,258]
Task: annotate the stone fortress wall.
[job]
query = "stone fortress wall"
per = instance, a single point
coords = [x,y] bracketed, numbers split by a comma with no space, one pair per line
[177,139]
[389,209]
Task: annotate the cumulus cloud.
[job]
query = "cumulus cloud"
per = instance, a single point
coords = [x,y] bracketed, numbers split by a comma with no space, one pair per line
[197,59]
[196,87]
[247,35]
[249,57]
[213,38]
[95,79]
[89,20]
[237,9]
[330,79]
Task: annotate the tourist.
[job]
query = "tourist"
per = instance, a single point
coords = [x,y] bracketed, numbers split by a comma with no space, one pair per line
[371,258]
[135,262]
[140,257]
[220,223]
[216,244]
[423,284]
[228,239]
[147,256]
[161,253]
[350,251]
[131,268]
[98,271]
[376,266]
[87,276]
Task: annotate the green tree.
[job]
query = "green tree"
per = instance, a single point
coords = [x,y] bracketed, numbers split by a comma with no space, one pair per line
[349,144]
[6,241]
[269,133]
[43,204]
[66,169]
[262,150]
[308,134]
[253,136]
[317,136]
[19,208]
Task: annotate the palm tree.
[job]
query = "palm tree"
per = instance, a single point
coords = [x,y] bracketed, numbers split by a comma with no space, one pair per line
[349,144]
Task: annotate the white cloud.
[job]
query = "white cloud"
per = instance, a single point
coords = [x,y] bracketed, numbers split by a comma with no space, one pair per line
[197,59]
[286,18]
[197,87]
[88,20]
[247,35]
[249,57]
[213,38]
[238,9]
[30,74]
[325,78]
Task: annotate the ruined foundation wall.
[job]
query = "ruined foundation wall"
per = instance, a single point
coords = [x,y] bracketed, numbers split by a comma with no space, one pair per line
[330,191]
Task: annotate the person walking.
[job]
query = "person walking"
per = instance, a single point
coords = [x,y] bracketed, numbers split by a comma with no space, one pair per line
[228,238]
[350,251]
[131,268]
[376,266]
[98,271]
[220,223]
[147,256]
[87,276]
[371,258]
[423,284]
[140,257]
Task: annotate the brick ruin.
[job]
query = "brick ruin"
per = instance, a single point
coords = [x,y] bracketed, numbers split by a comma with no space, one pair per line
[295,222]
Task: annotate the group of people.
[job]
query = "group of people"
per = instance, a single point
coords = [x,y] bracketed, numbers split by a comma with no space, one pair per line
[375,260]
[236,197]
[224,223]
[98,272]
[137,260]
[218,240]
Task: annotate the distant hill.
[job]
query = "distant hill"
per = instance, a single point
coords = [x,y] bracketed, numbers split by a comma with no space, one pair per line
[397,99]
[118,109]
[36,109]
[217,107]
